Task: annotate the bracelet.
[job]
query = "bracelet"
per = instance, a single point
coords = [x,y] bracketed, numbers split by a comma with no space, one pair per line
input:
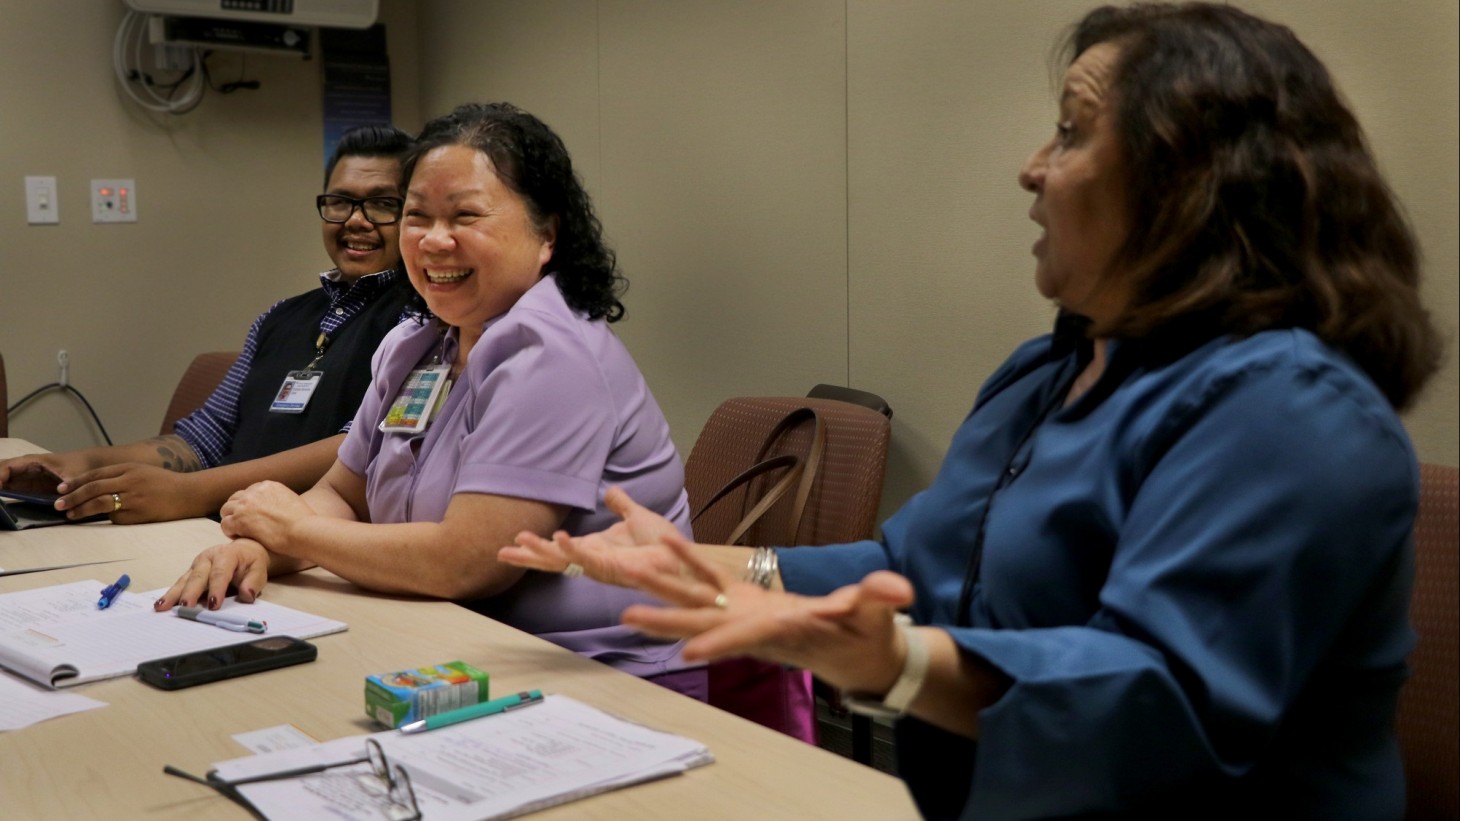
[763,567]
[909,683]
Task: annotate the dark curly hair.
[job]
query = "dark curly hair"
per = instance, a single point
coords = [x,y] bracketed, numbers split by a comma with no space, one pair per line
[532,161]
[1256,202]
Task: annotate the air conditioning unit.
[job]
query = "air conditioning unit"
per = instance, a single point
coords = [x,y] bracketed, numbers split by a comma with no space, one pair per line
[351,14]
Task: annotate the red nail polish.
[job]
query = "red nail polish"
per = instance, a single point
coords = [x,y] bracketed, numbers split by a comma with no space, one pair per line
[212,602]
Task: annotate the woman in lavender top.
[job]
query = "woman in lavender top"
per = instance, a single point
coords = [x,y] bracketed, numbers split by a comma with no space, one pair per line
[541,411]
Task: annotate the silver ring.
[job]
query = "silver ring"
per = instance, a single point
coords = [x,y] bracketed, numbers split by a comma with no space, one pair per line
[573,570]
[722,601]
[116,502]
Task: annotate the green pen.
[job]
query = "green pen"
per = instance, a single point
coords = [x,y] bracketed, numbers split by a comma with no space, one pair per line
[516,701]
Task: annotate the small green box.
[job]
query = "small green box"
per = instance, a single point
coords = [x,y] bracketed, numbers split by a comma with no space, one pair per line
[399,698]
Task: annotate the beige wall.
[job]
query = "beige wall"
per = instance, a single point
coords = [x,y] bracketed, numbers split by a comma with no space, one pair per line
[823,191]
[225,226]
[800,191]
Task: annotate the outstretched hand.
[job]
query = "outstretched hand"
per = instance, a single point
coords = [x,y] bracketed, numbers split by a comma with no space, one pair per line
[609,556]
[847,638]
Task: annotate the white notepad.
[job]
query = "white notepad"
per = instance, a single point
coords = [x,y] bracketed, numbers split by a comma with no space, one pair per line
[58,637]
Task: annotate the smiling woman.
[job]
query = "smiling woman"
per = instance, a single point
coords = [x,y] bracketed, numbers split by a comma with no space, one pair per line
[470,245]
[510,405]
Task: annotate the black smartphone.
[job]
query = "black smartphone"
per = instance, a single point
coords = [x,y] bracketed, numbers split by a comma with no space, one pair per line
[34,498]
[203,666]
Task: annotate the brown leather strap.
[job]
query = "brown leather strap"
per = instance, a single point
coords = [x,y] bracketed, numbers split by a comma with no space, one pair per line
[797,472]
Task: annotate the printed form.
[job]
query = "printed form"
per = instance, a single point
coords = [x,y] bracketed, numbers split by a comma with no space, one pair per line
[494,767]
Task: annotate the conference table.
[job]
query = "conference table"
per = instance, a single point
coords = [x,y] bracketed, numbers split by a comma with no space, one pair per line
[107,763]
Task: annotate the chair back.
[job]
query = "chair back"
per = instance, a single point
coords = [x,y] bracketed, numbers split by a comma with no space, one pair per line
[866,399]
[845,493]
[198,382]
[1429,704]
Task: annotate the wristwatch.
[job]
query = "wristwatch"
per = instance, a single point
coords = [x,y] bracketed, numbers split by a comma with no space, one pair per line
[908,684]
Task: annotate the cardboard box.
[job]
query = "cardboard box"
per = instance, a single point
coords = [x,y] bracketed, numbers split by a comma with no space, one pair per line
[401,697]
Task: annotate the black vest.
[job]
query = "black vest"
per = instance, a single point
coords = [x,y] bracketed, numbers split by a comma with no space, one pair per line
[286,343]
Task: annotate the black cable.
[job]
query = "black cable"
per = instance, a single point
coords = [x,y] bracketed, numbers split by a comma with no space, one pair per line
[43,388]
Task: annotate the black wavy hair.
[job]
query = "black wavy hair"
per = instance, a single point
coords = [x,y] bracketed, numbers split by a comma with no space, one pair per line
[532,161]
[368,141]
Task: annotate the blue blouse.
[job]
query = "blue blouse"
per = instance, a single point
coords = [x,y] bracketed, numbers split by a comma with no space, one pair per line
[1196,576]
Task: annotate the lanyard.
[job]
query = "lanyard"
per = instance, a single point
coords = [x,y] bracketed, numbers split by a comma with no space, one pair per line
[320,343]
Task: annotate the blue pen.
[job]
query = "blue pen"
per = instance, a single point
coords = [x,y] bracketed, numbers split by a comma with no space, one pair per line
[505,704]
[110,592]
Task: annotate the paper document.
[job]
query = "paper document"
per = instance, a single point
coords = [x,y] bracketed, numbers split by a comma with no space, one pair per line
[499,766]
[23,704]
[57,635]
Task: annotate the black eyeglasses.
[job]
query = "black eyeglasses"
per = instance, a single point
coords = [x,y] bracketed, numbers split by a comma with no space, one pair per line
[388,785]
[378,210]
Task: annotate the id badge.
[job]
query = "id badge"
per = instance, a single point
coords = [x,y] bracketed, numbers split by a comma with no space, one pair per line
[294,394]
[419,398]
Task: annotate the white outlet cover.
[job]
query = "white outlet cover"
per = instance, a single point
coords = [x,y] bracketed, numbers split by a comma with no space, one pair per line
[41,205]
[114,200]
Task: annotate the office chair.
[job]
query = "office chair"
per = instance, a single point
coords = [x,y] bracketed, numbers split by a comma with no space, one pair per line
[198,383]
[1429,705]
[842,504]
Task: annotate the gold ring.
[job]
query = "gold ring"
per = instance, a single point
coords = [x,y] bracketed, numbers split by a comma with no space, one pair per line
[722,601]
[116,502]
[573,570]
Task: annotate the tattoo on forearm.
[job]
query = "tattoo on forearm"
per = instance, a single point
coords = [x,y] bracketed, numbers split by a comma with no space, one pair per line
[180,459]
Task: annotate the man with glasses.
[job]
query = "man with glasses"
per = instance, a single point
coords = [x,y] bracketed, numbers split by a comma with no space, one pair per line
[282,409]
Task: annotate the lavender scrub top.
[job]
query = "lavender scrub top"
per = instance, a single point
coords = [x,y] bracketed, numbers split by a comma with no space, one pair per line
[552,408]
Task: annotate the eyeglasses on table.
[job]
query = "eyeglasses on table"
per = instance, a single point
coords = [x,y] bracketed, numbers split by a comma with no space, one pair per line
[389,784]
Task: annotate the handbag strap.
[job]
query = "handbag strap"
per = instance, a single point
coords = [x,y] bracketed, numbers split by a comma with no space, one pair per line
[802,474]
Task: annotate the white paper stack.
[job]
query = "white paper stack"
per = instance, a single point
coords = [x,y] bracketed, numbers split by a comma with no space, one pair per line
[498,766]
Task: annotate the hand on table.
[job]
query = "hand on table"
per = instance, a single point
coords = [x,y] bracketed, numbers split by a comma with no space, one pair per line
[39,472]
[242,564]
[846,638]
[143,493]
[608,556]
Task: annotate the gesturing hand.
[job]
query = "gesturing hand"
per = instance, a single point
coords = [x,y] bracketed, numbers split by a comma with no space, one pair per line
[608,556]
[846,638]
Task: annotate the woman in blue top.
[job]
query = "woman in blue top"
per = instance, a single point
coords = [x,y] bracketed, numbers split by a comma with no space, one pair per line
[1164,568]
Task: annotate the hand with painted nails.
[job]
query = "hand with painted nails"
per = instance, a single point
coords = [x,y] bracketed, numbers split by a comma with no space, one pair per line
[241,565]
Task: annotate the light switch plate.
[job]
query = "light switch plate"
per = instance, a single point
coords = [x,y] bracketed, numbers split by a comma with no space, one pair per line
[41,207]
